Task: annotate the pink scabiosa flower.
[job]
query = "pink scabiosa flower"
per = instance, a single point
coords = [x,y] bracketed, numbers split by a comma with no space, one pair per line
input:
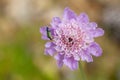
[71,39]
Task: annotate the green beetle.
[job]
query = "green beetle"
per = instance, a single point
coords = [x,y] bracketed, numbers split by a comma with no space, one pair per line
[48,33]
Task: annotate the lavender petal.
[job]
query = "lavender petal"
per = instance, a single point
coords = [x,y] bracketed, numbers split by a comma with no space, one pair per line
[98,32]
[59,57]
[85,56]
[95,49]
[92,26]
[49,45]
[44,33]
[50,51]
[69,14]
[83,18]
[71,63]
[55,22]
[43,30]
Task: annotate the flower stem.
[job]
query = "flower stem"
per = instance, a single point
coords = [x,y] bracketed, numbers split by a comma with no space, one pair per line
[82,72]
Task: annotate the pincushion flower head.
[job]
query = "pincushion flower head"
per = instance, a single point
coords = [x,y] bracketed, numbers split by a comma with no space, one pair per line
[71,39]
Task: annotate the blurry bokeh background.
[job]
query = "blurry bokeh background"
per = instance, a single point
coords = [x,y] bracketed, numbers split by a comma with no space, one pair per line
[22,49]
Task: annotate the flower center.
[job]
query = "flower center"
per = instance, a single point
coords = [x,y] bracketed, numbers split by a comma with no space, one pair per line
[67,41]
[70,39]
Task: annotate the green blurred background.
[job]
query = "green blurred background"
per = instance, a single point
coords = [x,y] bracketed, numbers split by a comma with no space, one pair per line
[22,49]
